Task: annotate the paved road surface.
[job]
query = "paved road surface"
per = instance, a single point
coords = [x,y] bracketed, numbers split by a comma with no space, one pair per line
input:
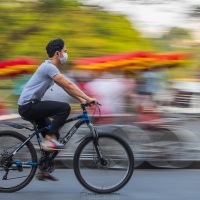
[144,185]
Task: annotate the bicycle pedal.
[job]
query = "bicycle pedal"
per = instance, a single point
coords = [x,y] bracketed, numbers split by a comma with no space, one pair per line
[45,177]
[52,149]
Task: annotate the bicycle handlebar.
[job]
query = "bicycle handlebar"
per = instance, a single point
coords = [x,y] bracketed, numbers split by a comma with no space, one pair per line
[89,104]
[83,105]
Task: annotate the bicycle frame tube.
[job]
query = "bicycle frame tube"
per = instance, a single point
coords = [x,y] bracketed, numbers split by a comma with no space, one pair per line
[28,139]
[84,118]
[21,146]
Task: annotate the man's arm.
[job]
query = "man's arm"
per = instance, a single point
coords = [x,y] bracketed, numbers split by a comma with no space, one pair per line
[71,88]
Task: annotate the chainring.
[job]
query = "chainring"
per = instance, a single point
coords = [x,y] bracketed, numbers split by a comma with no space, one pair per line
[46,165]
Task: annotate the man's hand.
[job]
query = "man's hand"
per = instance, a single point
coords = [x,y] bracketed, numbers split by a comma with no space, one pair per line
[92,100]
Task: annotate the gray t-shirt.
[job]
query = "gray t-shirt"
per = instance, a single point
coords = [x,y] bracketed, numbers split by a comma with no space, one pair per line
[39,83]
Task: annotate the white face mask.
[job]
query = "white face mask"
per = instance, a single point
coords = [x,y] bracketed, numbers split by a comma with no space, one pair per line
[63,60]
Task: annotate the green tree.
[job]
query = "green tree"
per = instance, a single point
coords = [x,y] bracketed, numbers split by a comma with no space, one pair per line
[177,33]
[25,29]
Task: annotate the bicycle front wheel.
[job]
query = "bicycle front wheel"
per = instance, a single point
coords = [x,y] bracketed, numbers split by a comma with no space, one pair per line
[15,172]
[105,177]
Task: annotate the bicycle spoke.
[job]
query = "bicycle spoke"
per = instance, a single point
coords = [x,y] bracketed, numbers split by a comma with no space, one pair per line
[12,175]
[108,173]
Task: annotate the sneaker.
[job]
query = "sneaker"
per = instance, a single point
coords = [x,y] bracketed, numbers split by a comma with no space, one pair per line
[52,145]
[44,177]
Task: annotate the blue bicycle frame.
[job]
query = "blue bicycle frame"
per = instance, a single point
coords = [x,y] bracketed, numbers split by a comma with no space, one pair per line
[83,118]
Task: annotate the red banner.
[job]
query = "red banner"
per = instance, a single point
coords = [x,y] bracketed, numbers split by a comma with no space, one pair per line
[132,61]
[17,67]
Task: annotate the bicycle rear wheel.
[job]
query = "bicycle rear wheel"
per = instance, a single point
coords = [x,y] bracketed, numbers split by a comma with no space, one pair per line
[110,176]
[19,175]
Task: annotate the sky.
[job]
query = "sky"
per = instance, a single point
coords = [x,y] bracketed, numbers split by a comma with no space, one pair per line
[153,19]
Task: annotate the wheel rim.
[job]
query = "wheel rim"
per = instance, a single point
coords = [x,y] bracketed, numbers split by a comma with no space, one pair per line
[15,176]
[108,177]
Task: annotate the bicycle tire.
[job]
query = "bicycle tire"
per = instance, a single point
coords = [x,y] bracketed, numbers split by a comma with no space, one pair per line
[17,180]
[171,155]
[114,149]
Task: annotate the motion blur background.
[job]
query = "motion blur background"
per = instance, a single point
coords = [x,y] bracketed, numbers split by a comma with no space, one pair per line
[140,58]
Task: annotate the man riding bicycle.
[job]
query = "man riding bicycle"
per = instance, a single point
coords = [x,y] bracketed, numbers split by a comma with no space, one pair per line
[32,108]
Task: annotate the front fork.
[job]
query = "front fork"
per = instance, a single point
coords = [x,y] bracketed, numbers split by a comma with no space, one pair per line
[95,135]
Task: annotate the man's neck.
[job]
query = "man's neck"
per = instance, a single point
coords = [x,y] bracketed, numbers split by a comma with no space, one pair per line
[54,61]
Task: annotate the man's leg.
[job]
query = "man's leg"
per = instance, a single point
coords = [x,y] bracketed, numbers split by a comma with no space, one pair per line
[41,123]
[40,110]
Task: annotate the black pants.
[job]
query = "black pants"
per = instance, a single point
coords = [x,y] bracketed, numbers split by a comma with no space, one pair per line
[41,111]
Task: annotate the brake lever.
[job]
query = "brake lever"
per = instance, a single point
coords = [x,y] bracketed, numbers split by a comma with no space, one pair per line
[97,103]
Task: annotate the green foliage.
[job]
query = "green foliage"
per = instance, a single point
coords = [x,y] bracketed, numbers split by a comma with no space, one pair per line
[26,28]
[177,33]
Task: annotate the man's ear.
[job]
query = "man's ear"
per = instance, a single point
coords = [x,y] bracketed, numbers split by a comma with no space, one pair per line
[56,53]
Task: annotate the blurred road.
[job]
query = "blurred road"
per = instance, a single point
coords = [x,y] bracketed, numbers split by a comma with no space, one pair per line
[145,184]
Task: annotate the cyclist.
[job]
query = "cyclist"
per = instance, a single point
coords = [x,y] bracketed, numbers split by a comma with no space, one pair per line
[32,108]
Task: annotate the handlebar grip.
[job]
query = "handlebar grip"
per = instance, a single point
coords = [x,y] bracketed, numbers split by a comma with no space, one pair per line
[93,102]
[89,104]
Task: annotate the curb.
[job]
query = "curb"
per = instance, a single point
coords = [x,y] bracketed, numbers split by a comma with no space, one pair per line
[9,117]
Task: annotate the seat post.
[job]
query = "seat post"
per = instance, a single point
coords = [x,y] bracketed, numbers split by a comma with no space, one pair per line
[32,122]
[34,125]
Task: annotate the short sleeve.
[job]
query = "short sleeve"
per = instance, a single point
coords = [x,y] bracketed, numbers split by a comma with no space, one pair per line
[52,70]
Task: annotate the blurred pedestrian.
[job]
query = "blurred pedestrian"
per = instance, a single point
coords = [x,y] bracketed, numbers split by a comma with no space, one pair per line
[111,89]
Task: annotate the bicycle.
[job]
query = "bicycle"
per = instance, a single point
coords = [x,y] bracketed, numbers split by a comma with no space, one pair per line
[97,157]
